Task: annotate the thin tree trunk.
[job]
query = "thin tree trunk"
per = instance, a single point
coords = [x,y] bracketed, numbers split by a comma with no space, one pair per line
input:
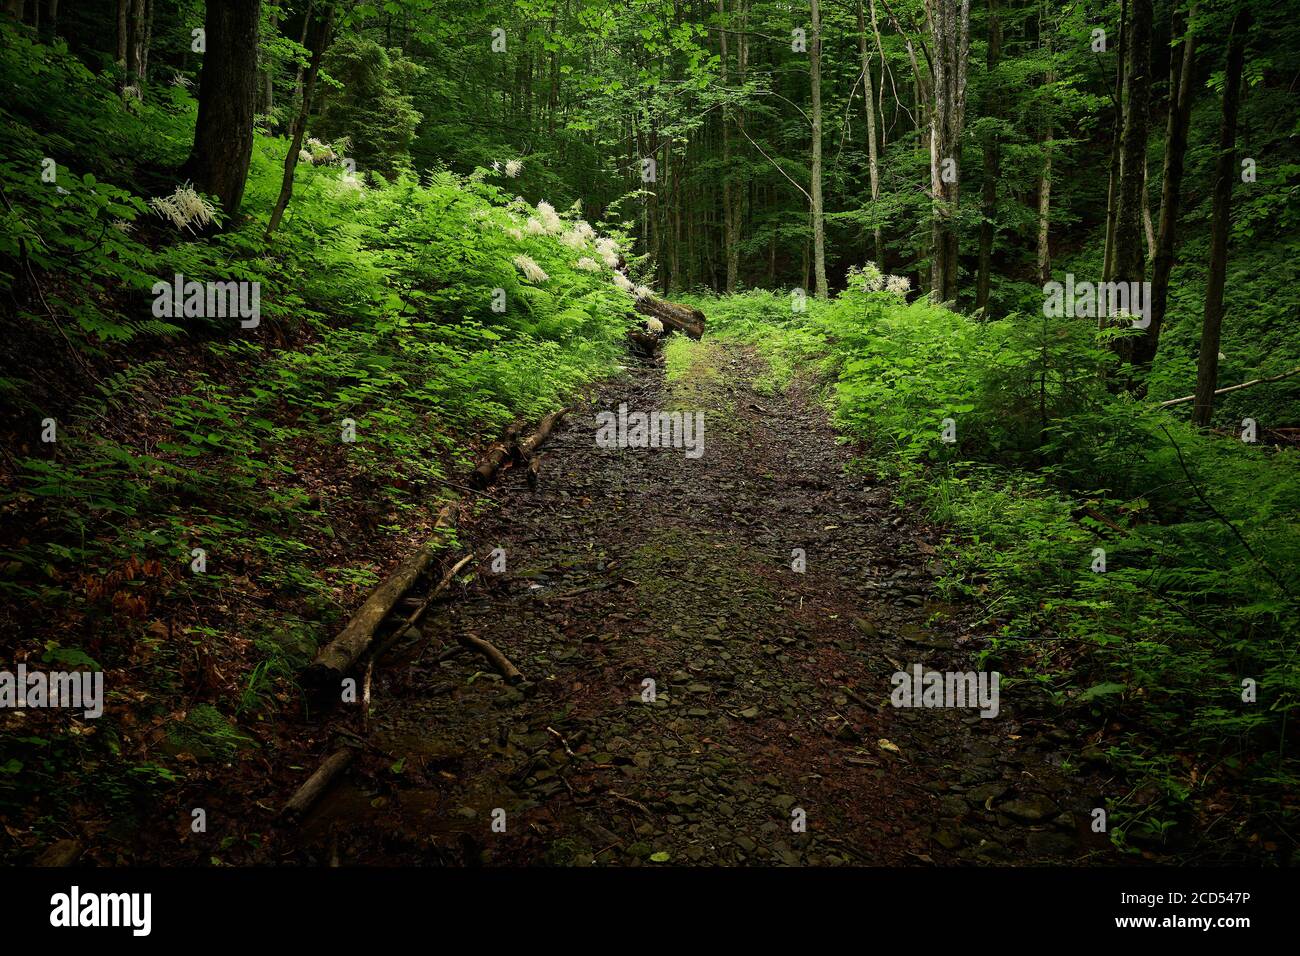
[268,75]
[1225,171]
[1045,203]
[1148,230]
[137,26]
[992,162]
[1117,134]
[873,159]
[319,41]
[122,28]
[1045,176]
[818,210]
[950,26]
[1180,112]
[302,42]
[1129,251]
[730,239]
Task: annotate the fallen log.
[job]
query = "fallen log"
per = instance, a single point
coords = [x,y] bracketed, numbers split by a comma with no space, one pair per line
[510,448]
[337,657]
[544,429]
[318,783]
[643,343]
[496,457]
[674,315]
[502,663]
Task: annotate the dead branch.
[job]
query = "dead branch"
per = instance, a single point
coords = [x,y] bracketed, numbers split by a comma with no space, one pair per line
[318,783]
[502,663]
[1233,388]
[337,658]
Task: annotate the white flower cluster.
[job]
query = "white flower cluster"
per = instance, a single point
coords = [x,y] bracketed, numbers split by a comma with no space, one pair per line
[514,167]
[320,152]
[531,270]
[607,249]
[549,218]
[574,233]
[185,208]
[899,285]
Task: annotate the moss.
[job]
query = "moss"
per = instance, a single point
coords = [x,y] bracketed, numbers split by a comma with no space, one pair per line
[208,735]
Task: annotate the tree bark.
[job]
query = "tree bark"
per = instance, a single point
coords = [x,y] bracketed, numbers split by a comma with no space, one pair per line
[123,27]
[950,28]
[1225,171]
[818,208]
[992,162]
[873,158]
[1045,175]
[223,139]
[137,46]
[1117,134]
[1045,204]
[681,318]
[1129,246]
[730,239]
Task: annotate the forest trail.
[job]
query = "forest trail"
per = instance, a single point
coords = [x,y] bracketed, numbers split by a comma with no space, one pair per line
[772,687]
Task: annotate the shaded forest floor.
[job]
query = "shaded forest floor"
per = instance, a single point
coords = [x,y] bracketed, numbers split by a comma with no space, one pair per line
[772,686]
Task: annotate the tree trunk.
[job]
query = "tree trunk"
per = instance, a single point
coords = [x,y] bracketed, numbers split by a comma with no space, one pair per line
[137,46]
[319,41]
[1180,112]
[1129,248]
[123,27]
[1045,203]
[268,75]
[302,42]
[730,239]
[1045,176]
[223,139]
[950,28]
[1112,188]
[873,159]
[992,162]
[818,210]
[1225,171]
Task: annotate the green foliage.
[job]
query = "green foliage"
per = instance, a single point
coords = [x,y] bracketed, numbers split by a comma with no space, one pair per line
[366,97]
[194,433]
[1201,534]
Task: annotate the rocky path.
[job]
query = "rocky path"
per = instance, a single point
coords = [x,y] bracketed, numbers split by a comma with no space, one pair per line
[771,687]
